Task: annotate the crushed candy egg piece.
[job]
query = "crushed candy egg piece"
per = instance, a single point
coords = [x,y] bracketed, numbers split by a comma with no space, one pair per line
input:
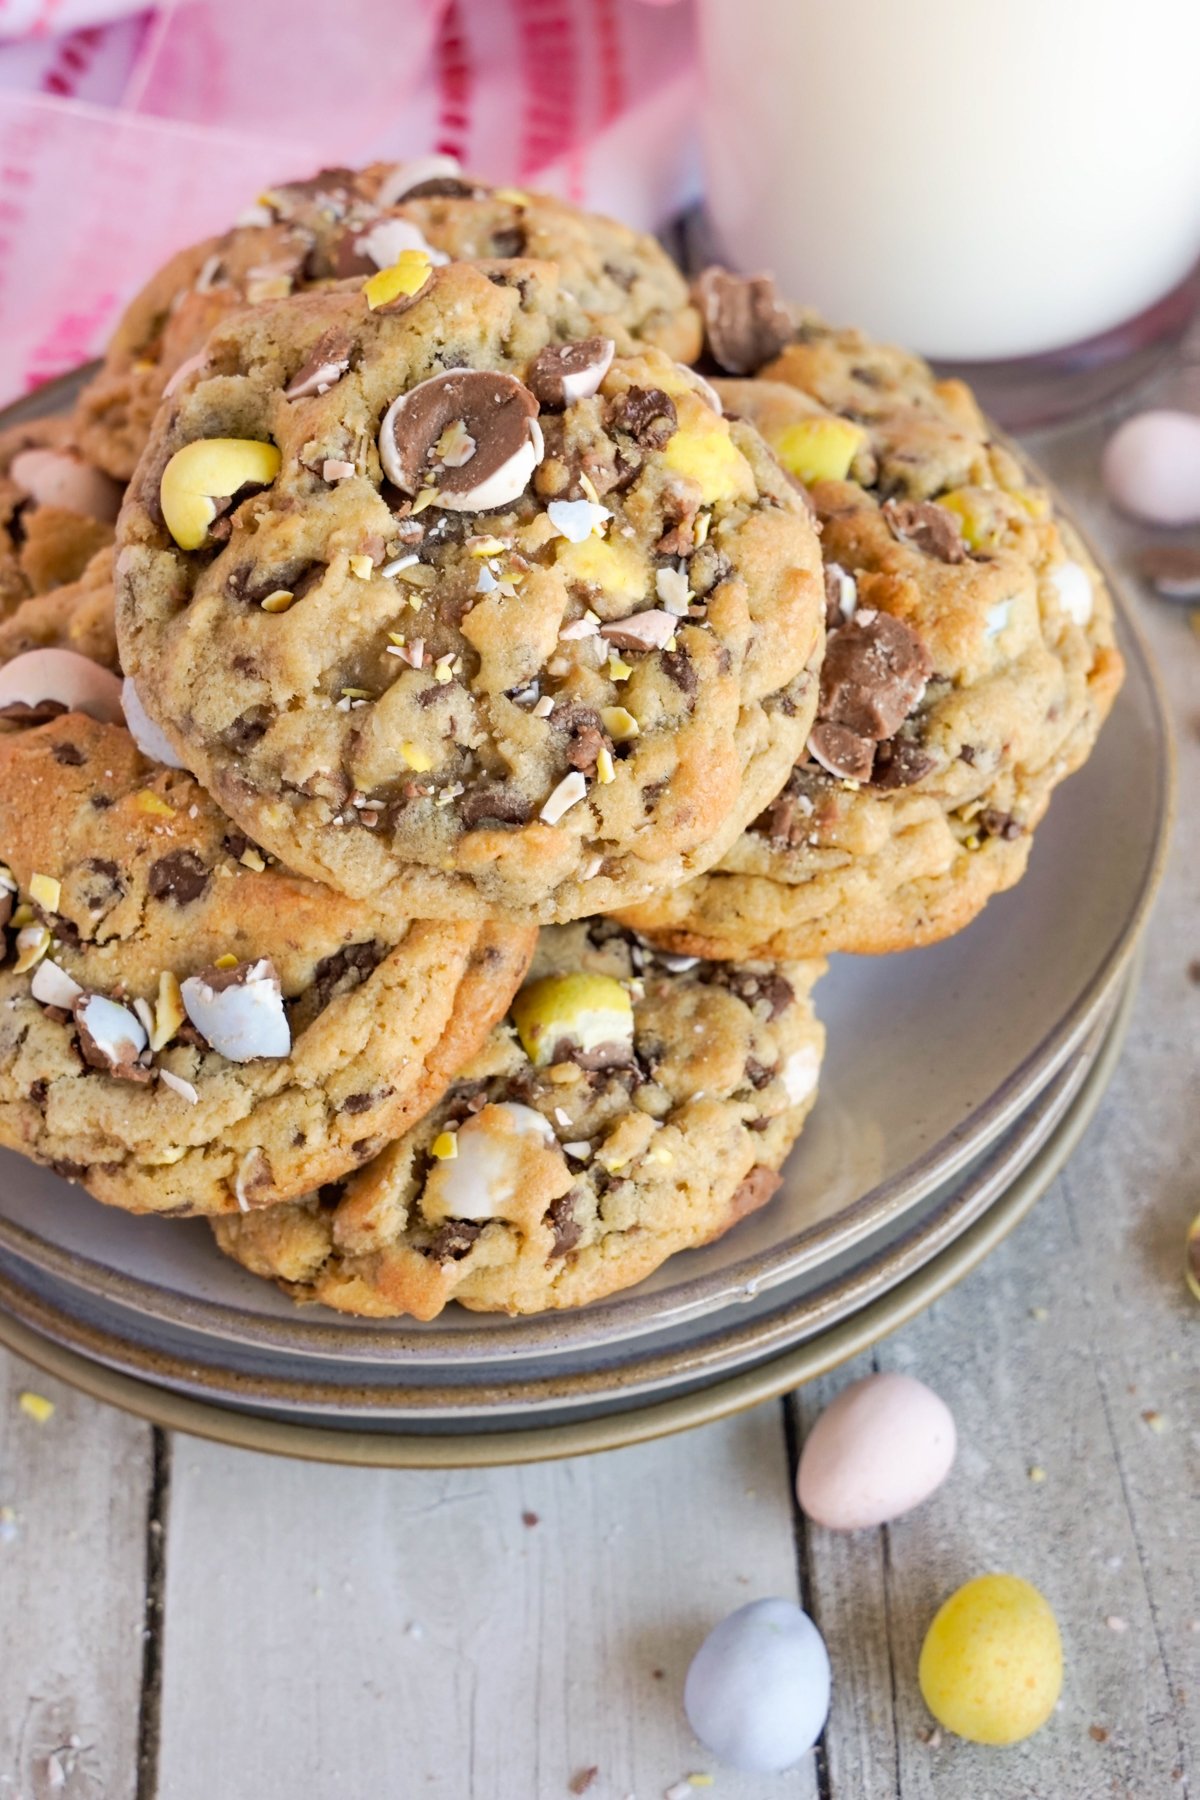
[589,1012]
[404,279]
[36,1407]
[819,449]
[45,892]
[208,470]
[705,453]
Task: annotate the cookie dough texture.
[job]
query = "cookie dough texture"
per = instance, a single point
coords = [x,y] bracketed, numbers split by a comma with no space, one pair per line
[937,525]
[141,875]
[78,616]
[56,511]
[305,234]
[465,712]
[569,1181]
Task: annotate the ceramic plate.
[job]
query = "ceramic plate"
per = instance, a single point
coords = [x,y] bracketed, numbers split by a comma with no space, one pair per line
[561,1437]
[932,1057]
[653,1364]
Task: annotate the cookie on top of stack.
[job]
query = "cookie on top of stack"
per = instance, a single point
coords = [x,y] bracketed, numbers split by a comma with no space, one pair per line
[451,602]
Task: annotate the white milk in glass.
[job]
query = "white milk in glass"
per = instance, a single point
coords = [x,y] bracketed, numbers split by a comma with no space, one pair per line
[976,178]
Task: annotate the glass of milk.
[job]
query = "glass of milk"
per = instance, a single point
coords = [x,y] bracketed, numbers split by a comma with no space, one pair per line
[1013,186]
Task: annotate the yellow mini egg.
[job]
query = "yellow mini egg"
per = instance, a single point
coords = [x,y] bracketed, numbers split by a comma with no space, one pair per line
[991,1663]
[591,1013]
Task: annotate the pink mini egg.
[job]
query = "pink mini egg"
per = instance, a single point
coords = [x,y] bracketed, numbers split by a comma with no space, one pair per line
[1151,467]
[880,1448]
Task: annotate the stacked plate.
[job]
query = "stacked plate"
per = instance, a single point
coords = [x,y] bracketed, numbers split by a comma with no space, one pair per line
[956,1082]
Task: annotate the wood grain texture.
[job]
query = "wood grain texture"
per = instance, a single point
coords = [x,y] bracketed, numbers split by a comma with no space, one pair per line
[1050,1356]
[487,1634]
[72,1592]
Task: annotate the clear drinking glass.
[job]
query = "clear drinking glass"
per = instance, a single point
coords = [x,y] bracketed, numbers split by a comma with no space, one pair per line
[1011,188]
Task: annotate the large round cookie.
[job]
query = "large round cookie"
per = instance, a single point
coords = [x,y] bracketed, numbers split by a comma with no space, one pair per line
[345,222]
[635,1106]
[56,511]
[543,664]
[186,1028]
[970,663]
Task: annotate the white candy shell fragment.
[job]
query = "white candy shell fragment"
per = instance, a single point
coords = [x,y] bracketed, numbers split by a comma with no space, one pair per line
[111,1036]
[145,733]
[52,986]
[239,1012]
[879,1449]
[408,175]
[1151,467]
[386,242]
[58,478]
[757,1692]
[651,630]
[576,520]
[1076,596]
[569,792]
[482,1180]
[61,679]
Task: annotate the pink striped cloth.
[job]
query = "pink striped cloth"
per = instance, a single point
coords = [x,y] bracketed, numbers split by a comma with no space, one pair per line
[125,135]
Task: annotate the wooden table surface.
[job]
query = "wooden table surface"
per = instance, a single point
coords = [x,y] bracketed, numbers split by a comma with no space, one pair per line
[178,1619]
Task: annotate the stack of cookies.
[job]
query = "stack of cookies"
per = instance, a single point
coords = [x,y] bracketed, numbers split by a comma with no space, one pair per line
[458,683]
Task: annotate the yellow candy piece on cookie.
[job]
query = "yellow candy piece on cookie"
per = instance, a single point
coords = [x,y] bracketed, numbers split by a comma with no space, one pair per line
[819,449]
[705,452]
[588,1012]
[614,565]
[208,470]
[406,277]
[991,1664]
[979,522]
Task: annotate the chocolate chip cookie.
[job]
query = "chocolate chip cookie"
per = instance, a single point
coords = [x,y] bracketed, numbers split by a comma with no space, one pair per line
[347,222]
[970,662]
[453,608]
[634,1105]
[78,616]
[185,1027]
[56,511]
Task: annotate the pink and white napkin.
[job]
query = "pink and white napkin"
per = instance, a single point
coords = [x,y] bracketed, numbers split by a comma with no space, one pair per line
[125,134]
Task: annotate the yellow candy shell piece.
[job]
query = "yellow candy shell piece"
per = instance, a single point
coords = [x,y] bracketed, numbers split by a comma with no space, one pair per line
[617,567]
[581,1007]
[819,449]
[210,469]
[705,452]
[991,1665]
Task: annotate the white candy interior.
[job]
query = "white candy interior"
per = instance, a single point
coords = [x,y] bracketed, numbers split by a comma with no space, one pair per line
[482,1180]
[243,1021]
[1074,587]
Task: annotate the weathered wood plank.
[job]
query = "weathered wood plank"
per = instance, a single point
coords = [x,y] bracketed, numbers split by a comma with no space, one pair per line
[483,1635]
[72,1593]
[1051,1356]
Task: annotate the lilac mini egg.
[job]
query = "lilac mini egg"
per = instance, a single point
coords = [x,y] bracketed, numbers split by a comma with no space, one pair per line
[757,1693]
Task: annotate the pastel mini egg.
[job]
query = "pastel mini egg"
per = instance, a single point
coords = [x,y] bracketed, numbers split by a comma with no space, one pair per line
[880,1448]
[1151,467]
[757,1692]
[991,1664]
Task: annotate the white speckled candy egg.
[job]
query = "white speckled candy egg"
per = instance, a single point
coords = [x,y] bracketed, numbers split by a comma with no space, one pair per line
[876,1451]
[757,1693]
[1151,467]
